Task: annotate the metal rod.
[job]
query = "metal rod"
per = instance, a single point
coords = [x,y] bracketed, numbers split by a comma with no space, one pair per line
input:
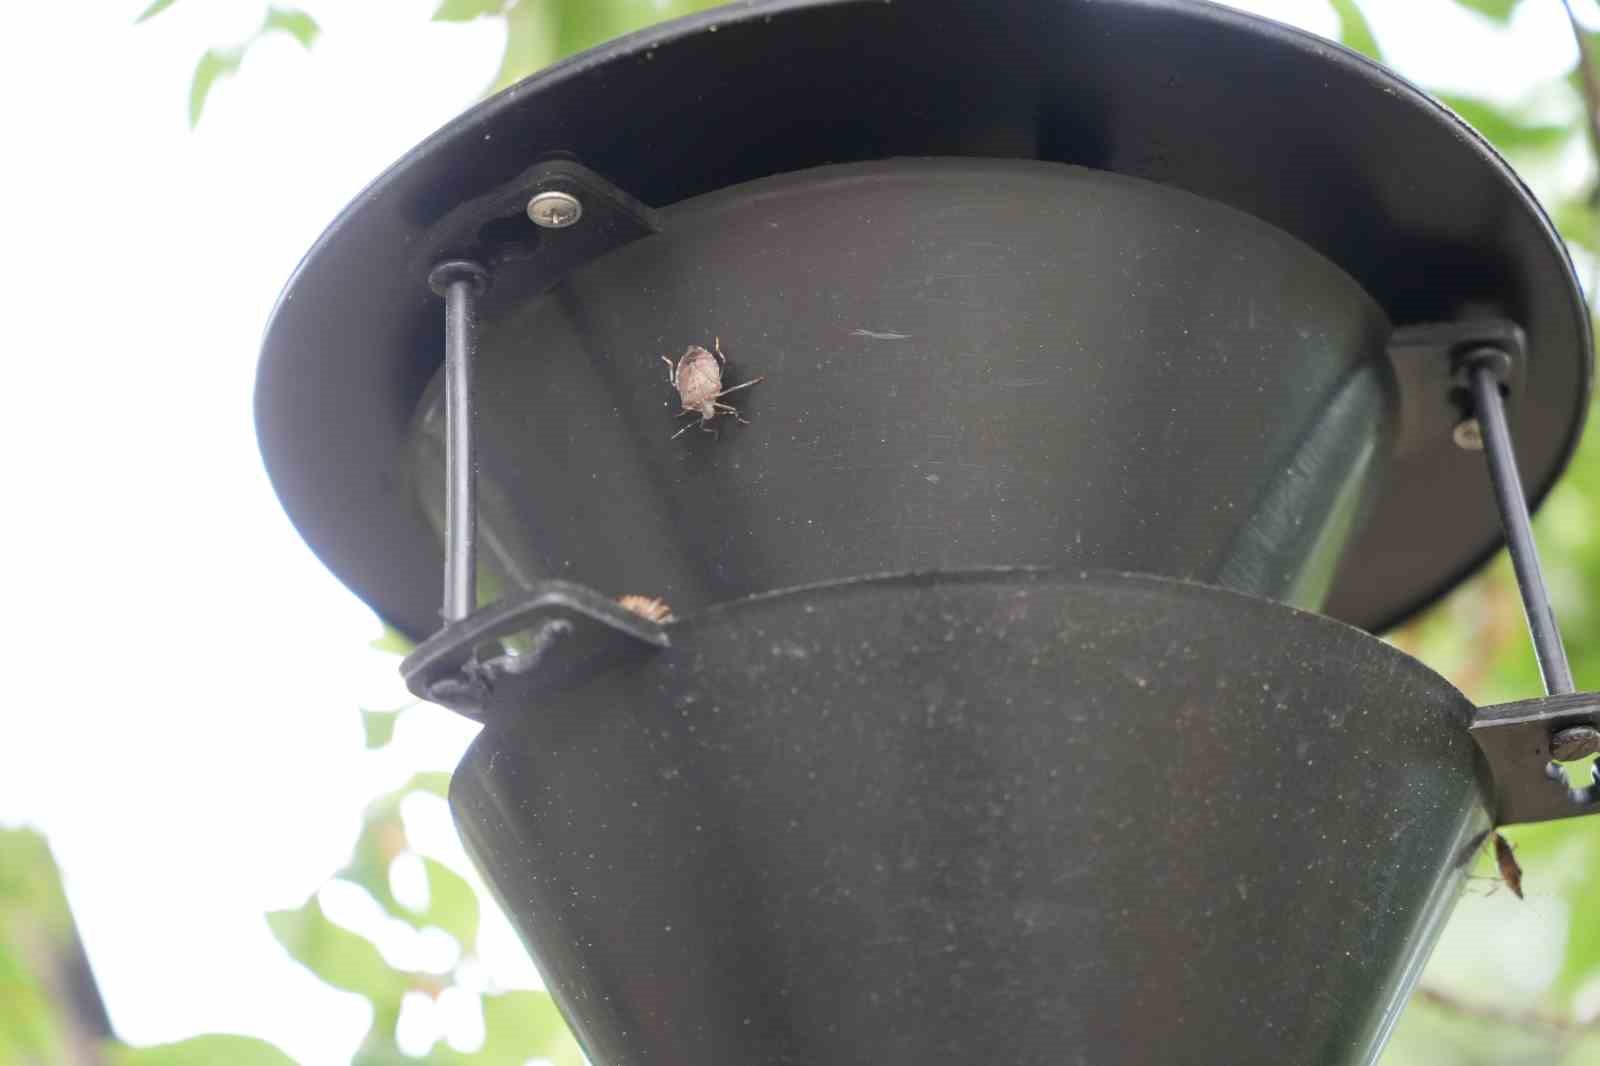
[460,283]
[1489,408]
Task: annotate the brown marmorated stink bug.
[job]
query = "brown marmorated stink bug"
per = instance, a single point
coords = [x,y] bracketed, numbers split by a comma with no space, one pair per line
[697,376]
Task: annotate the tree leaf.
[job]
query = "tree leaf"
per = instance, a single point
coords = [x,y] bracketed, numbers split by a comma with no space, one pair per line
[467,10]
[335,954]
[216,63]
[153,10]
[530,44]
[393,641]
[297,24]
[378,727]
[209,1050]
[435,781]
[1504,129]
[452,904]
[1582,960]
[522,1025]
[30,1029]
[1354,30]
[1499,10]
[383,838]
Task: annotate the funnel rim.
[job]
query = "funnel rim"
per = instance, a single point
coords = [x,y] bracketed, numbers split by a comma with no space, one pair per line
[305,337]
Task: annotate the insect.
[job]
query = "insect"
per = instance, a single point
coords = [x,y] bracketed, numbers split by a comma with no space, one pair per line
[1510,869]
[657,610]
[697,376]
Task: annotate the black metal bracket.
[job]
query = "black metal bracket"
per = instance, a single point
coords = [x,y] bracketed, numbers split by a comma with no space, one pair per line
[1435,397]
[499,231]
[550,220]
[566,630]
[1457,378]
[1522,741]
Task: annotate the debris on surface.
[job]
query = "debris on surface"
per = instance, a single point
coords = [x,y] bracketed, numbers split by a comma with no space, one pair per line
[657,610]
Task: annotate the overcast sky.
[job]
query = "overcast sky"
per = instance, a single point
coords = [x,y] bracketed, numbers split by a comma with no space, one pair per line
[182,719]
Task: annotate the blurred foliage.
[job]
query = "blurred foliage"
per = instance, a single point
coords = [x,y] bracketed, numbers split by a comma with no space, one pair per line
[218,63]
[50,1010]
[1462,1015]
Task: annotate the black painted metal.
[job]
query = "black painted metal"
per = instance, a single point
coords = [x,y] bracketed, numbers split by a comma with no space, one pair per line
[460,283]
[494,229]
[1310,138]
[555,630]
[966,363]
[1009,817]
[1489,407]
[1515,739]
[1434,393]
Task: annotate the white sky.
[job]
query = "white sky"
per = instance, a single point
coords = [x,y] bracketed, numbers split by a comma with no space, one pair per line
[191,744]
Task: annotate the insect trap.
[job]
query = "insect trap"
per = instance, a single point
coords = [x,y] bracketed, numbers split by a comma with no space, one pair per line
[994,681]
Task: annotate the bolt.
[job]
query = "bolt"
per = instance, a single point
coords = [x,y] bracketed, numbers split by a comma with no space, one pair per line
[1468,435]
[555,210]
[1575,742]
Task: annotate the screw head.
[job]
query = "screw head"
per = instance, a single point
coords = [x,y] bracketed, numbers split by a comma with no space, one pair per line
[1575,742]
[555,210]
[1468,435]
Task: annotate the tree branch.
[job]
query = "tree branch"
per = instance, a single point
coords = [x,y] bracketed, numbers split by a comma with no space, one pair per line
[1555,1024]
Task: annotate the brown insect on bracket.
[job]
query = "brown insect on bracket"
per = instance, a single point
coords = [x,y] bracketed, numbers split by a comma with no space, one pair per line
[697,375]
[652,607]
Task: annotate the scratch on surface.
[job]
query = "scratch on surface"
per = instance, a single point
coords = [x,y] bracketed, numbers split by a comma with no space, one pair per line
[878,335]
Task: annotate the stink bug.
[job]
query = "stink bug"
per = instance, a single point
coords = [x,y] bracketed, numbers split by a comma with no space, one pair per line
[697,375]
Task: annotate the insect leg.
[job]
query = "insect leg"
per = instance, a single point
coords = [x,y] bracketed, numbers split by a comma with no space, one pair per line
[742,385]
[716,346]
[681,432]
[672,371]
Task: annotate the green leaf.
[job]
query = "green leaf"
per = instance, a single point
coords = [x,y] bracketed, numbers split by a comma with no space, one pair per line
[1499,10]
[523,1025]
[30,1026]
[434,781]
[31,895]
[1504,129]
[297,24]
[393,641]
[1582,961]
[335,954]
[452,904]
[467,10]
[1354,30]
[216,63]
[210,1050]
[378,727]
[153,10]
[378,1048]
[383,838]
[530,44]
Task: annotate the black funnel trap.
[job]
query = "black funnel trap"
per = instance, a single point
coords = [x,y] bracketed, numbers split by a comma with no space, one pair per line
[884,459]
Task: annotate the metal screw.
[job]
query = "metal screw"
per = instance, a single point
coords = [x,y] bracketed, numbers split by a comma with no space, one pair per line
[1575,742]
[1468,435]
[555,210]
